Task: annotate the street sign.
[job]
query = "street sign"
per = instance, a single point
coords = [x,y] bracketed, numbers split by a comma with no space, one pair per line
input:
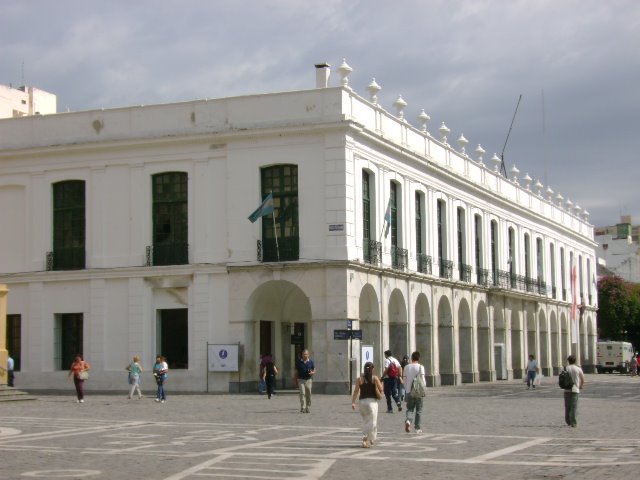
[347,334]
[341,334]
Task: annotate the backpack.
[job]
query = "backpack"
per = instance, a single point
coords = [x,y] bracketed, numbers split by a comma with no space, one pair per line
[392,370]
[565,381]
[418,386]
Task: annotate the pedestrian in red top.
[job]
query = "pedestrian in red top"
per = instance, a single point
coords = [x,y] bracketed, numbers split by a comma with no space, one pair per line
[80,371]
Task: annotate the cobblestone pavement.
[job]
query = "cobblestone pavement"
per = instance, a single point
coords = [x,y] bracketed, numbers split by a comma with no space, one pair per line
[499,430]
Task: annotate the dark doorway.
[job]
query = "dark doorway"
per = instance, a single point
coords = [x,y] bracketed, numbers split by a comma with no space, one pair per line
[174,337]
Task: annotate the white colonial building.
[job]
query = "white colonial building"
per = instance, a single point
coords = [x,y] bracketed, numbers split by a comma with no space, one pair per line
[125,231]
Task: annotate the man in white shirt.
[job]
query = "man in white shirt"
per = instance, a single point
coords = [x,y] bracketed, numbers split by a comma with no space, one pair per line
[409,373]
[571,395]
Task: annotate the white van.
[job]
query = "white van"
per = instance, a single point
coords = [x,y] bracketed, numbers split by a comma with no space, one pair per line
[613,356]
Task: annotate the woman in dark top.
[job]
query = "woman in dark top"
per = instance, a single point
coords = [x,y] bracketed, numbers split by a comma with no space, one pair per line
[369,389]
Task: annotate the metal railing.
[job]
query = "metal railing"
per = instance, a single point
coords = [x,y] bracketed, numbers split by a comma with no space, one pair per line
[65,259]
[170,254]
[425,263]
[465,272]
[482,277]
[286,250]
[372,252]
[446,268]
[399,257]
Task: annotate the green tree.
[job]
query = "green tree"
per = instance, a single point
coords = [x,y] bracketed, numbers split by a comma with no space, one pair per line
[614,308]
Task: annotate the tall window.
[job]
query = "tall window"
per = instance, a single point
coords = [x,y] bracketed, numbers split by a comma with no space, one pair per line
[589,280]
[478,243]
[68,336]
[173,336]
[281,241]
[393,203]
[580,278]
[494,251]
[69,225]
[552,262]
[366,210]
[563,275]
[442,230]
[170,218]
[512,251]
[462,247]
[527,256]
[14,335]
[419,224]
[540,259]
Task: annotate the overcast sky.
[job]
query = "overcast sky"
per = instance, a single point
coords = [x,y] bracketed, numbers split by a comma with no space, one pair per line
[465,62]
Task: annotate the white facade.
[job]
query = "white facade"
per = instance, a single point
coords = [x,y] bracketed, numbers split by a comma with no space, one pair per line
[621,256]
[456,316]
[24,101]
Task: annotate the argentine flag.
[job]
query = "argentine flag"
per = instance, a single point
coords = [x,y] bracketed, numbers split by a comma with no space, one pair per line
[265,208]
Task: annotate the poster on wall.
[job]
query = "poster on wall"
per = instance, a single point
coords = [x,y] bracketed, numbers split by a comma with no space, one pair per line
[367,354]
[222,357]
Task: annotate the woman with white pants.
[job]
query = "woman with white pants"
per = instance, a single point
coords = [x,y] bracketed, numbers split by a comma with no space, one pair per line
[369,389]
[135,369]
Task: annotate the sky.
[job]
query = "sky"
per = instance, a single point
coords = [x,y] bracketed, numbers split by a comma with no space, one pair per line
[576,64]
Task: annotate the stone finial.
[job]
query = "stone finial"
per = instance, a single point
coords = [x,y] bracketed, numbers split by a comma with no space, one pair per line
[585,215]
[423,118]
[373,88]
[344,70]
[577,209]
[568,205]
[549,194]
[444,131]
[400,105]
[514,174]
[560,200]
[496,162]
[463,142]
[539,188]
[527,181]
[480,154]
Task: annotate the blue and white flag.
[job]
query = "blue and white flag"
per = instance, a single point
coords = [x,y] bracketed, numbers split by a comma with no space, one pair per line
[265,208]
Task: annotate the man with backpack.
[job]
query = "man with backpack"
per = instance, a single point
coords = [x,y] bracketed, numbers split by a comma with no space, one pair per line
[391,375]
[572,389]
[415,388]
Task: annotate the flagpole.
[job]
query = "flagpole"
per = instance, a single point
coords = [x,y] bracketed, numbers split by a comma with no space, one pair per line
[275,232]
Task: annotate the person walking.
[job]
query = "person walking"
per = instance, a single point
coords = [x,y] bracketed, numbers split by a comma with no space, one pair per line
[79,369]
[414,403]
[401,390]
[633,366]
[135,370]
[571,394]
[305,370]
[532,371]
[160,369]
[369,390]
[391,375]
[269,376]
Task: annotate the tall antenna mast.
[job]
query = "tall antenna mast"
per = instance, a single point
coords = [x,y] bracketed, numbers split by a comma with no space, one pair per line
[503,169]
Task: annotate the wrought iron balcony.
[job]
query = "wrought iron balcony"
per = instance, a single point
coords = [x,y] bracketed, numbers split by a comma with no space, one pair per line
[482,277]
[554,291]
[564,294]
[66,259]
[372,252]
[542,287]
[399,257]
[465,272]
[530,284]
[167,254]
[425,263]
[287,250]
[446,268]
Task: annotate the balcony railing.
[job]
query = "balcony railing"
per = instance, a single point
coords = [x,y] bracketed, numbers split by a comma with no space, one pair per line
[446,268]
[465,272]
[399,257]
[286,250]
[482,277]
[530,284]
[372,252]
[425,263]
[66,259]
[564,294]
[554,291]
[169,254]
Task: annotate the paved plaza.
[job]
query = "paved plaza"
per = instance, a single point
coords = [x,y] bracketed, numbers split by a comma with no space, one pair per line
[499,430]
